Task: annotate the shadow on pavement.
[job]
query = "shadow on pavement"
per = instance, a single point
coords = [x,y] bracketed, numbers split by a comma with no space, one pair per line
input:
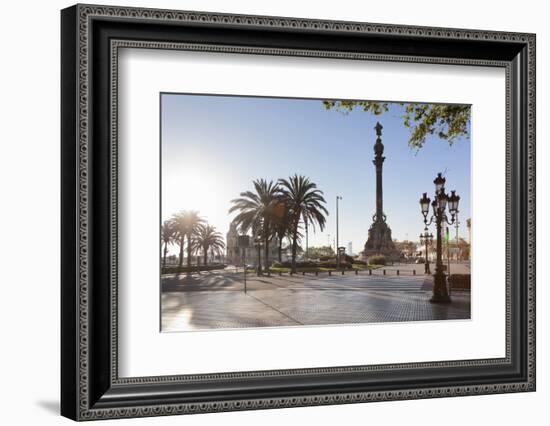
[202,282]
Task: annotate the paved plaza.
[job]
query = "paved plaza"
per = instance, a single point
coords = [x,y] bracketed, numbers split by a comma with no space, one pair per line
[213,300]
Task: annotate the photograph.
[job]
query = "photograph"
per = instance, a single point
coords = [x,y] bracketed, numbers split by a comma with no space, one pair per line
[292,212]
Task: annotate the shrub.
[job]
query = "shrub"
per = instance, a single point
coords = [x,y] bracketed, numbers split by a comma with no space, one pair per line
[299,264]
[331,264]
[379,259]
[307,264]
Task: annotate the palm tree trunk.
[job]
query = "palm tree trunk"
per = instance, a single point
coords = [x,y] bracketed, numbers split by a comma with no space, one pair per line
[280,250]
[294,247]
[189,250]
[266,253]
[205,255]
[259,268]
[181,251]
[164,255]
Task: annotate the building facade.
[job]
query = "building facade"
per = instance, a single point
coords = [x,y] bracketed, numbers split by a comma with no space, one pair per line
[234,254]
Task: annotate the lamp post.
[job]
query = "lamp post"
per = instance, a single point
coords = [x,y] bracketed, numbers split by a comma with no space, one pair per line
[439,216]
[427,239]
[337,242]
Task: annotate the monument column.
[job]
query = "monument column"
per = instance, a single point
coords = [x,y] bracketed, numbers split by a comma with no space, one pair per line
[379,240]
[378,161]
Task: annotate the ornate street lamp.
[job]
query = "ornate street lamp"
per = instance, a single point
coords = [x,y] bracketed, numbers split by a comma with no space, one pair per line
[439,205]
[453,203]
[439,183]
[425,204]
[427,239]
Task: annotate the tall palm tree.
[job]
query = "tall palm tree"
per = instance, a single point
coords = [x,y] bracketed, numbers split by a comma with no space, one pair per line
[186,223]
[208,238]
[178,228]
[256,212]
[168,235]
[305,202]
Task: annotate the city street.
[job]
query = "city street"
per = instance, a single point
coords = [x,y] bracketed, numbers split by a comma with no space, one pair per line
[214,300]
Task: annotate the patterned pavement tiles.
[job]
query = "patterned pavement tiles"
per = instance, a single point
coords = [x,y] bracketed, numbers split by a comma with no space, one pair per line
[214,301]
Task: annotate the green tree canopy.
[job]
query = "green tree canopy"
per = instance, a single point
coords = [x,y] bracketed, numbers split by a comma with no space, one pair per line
[447,121]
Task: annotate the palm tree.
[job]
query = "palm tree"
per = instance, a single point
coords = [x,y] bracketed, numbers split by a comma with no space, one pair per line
[208,238]
[178,228]
[168,235]
[305,202]
[186,223]
[256,212]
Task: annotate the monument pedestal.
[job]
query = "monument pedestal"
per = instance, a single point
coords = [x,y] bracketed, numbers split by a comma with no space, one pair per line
[380,241]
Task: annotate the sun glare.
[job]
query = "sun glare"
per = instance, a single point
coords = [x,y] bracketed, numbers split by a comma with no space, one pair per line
[196,188]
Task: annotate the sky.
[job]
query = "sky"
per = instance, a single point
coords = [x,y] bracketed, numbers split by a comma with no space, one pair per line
[213,147]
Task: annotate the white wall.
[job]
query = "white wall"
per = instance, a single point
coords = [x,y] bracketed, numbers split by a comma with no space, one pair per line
[29,213]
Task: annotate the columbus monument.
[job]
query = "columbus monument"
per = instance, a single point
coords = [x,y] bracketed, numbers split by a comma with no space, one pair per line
[379,241]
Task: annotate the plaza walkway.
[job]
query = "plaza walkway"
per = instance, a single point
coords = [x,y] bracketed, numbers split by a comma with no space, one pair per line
[216,300]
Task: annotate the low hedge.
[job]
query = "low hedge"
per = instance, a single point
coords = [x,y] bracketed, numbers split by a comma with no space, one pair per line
[377,260]
[331,264]
[299,264]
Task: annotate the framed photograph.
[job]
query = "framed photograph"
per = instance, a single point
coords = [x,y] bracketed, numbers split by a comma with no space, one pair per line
[263,212]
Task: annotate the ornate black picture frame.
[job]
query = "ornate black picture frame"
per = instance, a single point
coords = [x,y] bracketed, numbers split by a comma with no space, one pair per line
[91,37]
